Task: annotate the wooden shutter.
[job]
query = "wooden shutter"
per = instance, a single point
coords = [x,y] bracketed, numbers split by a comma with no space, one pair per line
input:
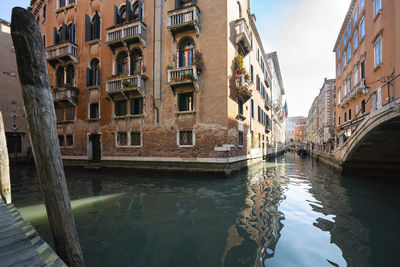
[88,29]
[117,19]
[64,33]
[55,36]
[140,10]
[89,77]
[129,13]
[98,76]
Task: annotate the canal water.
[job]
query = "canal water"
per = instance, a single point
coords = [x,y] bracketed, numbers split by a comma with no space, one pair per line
[290,212]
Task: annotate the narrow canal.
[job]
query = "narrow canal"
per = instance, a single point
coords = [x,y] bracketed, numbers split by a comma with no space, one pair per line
[291,212]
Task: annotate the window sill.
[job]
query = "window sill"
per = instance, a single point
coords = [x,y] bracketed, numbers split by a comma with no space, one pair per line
[93,87]
[136,116]
[94,41]
[180,113]
[67,147]
[65,8]
[93,120]
[119,117]
[186,146]
[378,67]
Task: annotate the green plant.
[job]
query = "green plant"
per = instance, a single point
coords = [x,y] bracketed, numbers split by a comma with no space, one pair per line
[169,66]
[190,76]
[126,83]
[72,88]
[239,63]
[198,58]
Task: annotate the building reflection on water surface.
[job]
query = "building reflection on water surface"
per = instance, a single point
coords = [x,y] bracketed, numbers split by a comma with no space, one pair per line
[289,211]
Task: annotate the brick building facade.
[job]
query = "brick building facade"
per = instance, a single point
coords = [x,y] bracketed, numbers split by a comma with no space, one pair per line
[179,83]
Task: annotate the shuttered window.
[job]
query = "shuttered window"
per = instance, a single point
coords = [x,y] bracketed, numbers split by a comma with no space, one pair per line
[136,106]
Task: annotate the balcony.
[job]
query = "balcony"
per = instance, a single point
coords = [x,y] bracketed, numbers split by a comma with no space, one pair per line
[184,20]
[268,104]
[125,35]
[61,53]
[353,94]
[66,96]
[183,76]
[268,128]
[243,37]
[125,87]
[243,87]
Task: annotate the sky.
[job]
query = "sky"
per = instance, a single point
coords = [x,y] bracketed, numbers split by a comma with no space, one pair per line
[302,32]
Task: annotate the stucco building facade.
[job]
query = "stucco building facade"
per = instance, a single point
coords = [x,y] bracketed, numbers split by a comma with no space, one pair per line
[290,127]
[11,104]
[165,84]
[278,112]
[321,116]
[367,61]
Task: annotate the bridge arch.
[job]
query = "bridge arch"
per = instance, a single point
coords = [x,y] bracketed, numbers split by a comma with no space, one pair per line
[376,142]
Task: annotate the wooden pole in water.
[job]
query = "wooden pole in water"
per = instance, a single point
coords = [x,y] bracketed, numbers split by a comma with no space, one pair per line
[5,185]
[41,118]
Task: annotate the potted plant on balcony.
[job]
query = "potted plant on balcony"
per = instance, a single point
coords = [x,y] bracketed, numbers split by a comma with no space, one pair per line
[126,83]
[169,66]
[190,76]
[145,77]
[240,69]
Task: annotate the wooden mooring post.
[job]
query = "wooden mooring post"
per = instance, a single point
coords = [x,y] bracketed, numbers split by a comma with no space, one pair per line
[5,184]
[41,118]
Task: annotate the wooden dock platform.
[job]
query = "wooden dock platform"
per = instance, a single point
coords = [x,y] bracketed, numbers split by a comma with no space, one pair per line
[20,244]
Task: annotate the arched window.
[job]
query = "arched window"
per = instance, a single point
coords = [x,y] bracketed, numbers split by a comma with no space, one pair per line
[70,75]
[122,63]
[136,62]
[122,14]
[96,26]
[60,77]
[186,51]
[95,68]
[71,32]
[136,10]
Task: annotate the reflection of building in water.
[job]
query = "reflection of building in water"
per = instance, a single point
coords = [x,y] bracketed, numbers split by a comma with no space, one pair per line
[260,218]
[348,233]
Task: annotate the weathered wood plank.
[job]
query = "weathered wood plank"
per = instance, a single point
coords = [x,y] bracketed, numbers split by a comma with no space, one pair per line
[41,118]
[5,185]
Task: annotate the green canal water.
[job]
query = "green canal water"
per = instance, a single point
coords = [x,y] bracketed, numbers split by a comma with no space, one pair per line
[290,212]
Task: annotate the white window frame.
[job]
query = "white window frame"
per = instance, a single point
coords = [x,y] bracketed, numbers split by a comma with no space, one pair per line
[377,11]
[193,138]
[130,139]
[355,16]
[339,96]
[355,40]
[356,76]
[127,139]
[73,141]
[362,29]
[378,41]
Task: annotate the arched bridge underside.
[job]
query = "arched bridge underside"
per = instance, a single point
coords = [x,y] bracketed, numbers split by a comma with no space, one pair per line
[375,147]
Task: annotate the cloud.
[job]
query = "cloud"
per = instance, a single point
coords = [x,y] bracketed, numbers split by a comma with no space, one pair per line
[303,33]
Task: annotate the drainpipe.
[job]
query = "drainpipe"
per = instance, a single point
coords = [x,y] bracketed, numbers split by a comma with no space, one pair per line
[157,56]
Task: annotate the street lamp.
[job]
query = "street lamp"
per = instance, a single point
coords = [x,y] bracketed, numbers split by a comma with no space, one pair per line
[365,89]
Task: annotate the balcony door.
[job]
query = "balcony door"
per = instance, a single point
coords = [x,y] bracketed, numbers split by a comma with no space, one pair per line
[186,52]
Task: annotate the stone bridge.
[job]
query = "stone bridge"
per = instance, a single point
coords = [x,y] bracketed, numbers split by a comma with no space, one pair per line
[374,147]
